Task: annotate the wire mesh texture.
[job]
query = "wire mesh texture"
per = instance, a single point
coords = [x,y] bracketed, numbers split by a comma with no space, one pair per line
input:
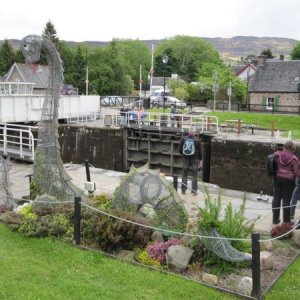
[145,191]
[6,198]
[49,174]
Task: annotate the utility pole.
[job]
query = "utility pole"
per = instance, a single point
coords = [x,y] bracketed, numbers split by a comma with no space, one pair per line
[87,75]
[140,81]
[229,92]
[215,86]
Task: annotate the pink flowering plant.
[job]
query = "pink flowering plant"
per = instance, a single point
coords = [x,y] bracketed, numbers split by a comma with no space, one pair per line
[158,250]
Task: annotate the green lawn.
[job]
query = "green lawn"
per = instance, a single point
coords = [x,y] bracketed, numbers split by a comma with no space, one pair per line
[32,268]
[281,122]
[284,123]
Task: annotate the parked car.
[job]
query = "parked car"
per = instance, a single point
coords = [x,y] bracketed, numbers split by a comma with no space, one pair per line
[167,101]
[139,103]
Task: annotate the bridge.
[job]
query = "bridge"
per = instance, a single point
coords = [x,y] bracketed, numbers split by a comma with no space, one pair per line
[19,141]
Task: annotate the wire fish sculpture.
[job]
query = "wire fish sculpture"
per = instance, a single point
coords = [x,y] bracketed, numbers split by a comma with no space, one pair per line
[49,175]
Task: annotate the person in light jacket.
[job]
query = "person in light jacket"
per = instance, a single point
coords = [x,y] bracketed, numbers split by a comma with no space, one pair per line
[284,181]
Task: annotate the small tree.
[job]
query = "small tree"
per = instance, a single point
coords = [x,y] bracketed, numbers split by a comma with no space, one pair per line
[267,53]
[295,53]
[7,57]
[50,33]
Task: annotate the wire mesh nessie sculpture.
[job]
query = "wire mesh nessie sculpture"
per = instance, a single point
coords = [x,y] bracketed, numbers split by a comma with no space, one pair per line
[49,174]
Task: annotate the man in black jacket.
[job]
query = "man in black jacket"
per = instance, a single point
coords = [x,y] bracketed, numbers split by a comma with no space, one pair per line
[190,149]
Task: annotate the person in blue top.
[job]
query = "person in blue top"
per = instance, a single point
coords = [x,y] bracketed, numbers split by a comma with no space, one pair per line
[190,149]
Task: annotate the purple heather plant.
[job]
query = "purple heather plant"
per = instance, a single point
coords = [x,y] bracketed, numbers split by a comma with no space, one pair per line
[158,250]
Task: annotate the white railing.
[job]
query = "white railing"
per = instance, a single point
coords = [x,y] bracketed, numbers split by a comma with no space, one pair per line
[17,140]
[201,123]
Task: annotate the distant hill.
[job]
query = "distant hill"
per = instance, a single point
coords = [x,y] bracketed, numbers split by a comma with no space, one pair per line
[230,49]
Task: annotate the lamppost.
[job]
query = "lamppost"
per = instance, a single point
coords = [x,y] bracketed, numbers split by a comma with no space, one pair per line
[165,59]
[248,79]
[215,87]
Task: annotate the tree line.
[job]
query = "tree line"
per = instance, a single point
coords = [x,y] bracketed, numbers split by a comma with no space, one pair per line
[114,69]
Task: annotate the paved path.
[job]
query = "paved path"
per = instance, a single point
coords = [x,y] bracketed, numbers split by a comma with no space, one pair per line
[106,181]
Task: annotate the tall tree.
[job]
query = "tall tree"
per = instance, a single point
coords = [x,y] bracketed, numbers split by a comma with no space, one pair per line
[133,54]
[190,53]
[7,57]
[267,53]
[78,73]
[50,33]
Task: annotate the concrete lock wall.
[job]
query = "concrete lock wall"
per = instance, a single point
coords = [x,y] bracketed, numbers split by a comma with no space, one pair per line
[101,146]
[241,165]
[231,164]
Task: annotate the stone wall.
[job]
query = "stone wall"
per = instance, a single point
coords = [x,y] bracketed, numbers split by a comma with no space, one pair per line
[103,147]
[241,165]
[288,102]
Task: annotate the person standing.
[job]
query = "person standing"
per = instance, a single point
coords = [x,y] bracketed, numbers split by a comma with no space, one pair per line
[124,115]
[173,116]
[294,199]
[284,181]
[190,150]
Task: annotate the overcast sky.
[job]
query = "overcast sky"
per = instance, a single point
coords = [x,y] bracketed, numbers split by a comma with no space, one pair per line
[103,20]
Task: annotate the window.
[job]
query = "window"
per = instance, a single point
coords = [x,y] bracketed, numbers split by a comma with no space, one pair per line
[270,103]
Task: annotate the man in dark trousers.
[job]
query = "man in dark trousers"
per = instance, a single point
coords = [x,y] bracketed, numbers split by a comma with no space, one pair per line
[190,149]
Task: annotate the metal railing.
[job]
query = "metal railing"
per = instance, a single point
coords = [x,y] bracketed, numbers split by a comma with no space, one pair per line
[17,140]
[201,123]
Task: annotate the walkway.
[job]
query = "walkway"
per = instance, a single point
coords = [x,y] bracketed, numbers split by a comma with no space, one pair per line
[106,181]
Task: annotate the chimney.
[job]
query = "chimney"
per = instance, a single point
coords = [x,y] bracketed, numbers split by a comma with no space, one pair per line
[281,57]
[261,60]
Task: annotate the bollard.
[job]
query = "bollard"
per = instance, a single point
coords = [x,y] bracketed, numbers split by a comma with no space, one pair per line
[256,291]
[77,217]
[175,182]
[87,170]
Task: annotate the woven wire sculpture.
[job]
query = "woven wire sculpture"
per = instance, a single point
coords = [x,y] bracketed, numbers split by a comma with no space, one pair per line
[143,186]
[6,199]
[222,248]
[49,174]
[144,189]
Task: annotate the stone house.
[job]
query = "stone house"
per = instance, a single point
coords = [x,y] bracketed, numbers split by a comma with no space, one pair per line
[275,86]
[244,71]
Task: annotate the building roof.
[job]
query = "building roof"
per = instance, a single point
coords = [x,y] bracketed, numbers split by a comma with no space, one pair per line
[37,74]
[276,76]
[159,81]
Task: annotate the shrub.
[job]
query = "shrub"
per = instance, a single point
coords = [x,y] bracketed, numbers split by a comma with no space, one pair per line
[59,225]
[102,201]
[233,225]
[3,208]
[144,258]
[158,250]
[282,230]
[26,211]
[111,234]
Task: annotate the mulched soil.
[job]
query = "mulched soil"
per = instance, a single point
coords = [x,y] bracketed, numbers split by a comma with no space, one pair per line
[283,254]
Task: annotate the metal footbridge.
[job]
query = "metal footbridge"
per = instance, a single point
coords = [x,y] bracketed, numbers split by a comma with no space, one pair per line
[19,141]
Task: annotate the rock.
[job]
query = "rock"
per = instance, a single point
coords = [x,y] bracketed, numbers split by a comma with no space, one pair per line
[245,286]
[268,245]
[148,211]
[157,237]
[296,237]
[210,279]
[266,261]
[178,257]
